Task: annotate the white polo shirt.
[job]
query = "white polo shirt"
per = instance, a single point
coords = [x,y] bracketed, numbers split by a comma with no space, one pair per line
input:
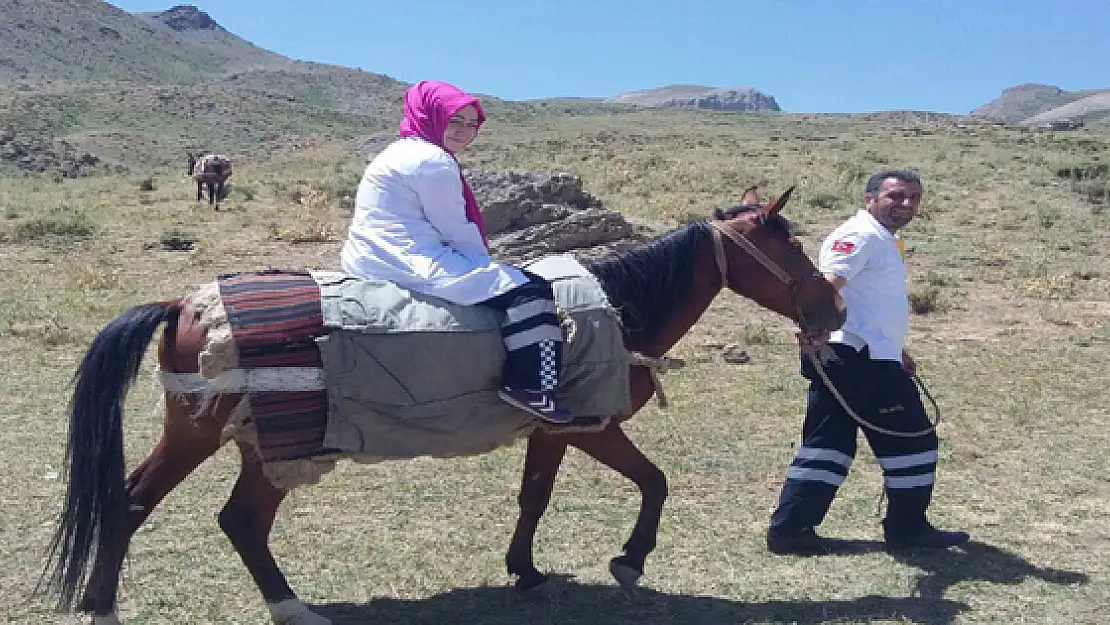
[870,258]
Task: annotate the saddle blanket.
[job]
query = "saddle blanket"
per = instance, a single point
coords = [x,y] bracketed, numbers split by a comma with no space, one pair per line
[405,374]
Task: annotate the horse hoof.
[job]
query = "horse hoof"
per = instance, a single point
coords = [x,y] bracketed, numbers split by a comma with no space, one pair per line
[542,589]
[107,619]
[532,584]
[625,575]
[293,612]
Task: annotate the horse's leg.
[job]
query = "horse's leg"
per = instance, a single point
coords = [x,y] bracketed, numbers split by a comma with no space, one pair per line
[185,444]
[541,465]
[247,519]
[200,190]
[614,449]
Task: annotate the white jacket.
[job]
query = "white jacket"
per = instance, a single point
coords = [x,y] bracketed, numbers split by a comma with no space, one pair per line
[410,228]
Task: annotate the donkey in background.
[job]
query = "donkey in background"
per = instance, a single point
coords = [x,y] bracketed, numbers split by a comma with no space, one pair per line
[211,171]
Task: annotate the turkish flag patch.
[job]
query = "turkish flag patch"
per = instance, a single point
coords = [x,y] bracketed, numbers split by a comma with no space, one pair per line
[844,247]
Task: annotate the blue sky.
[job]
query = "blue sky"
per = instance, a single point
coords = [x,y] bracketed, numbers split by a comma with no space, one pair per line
[811,55]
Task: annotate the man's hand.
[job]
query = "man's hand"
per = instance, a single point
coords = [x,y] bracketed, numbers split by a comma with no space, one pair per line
[811,342]
[908,364]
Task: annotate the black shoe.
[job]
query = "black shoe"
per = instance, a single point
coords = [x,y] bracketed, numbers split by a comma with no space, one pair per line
[803,543]
[928,537]
[539,404]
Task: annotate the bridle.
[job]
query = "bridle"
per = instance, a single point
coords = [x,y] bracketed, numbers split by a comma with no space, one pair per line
[718,229]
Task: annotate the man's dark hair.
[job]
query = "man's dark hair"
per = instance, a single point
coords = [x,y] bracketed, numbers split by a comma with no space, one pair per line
[905,175]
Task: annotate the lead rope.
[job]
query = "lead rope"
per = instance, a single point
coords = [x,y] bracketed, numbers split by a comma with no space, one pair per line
[816,360]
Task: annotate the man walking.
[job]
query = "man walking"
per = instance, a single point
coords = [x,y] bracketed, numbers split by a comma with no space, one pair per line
[864,259]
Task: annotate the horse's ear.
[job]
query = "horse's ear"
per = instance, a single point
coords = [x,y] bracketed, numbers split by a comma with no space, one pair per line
[777,205]
[751,196]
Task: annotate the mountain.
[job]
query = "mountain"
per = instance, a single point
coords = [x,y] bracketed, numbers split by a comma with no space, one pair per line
[1023,102]
[90,40]
[701,97]
[146,87]
[1096,106]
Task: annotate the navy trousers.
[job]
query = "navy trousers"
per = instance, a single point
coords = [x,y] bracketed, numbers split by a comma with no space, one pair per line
[882,393]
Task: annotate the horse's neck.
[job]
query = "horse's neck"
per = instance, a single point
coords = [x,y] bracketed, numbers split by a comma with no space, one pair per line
[704,286]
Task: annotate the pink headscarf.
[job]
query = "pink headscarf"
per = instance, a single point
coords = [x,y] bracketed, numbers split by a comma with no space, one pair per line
[428,106]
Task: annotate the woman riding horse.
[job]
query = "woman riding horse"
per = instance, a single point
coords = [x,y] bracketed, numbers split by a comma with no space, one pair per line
[661,288]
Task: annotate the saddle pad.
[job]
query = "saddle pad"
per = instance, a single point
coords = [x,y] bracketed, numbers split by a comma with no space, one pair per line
[275,320]
[409,375]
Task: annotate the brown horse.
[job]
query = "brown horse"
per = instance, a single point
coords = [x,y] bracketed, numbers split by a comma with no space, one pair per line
[661,288]
[210,171]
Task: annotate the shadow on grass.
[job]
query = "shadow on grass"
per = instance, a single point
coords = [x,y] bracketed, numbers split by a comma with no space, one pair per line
[978,561]
[571,603]
[568,602]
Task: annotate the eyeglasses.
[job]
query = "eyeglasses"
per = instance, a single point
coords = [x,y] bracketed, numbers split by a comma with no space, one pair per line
[458,122]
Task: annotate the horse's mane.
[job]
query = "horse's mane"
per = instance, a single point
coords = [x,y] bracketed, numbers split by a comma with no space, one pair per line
[646,282]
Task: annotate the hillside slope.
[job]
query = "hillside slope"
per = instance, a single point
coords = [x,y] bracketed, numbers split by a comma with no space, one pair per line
[90,40]
[1021,102]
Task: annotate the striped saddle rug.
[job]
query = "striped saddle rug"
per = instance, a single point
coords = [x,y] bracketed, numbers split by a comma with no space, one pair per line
[275,319]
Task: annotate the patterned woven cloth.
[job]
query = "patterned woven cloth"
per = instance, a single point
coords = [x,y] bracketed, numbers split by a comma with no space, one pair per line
[275,319]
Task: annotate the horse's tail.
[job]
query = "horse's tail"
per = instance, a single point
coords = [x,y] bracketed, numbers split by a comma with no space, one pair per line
[96,500]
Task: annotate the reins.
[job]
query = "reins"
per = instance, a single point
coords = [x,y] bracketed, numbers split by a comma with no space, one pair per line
[719,228]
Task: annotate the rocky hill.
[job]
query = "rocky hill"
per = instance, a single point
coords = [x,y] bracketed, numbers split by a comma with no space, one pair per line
[91,40]
[141,88]
[1024,102]
[700,97]
[90,87]
[1096,106]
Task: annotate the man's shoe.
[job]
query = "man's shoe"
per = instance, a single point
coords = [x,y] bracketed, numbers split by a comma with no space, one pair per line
[539,404]
[803,543]
[928,537]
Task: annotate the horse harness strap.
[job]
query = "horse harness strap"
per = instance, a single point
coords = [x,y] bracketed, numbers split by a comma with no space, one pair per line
[720,228]
[719,254]
[655,366]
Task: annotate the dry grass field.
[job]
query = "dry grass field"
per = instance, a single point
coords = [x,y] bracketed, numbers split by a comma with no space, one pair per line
[1010,276]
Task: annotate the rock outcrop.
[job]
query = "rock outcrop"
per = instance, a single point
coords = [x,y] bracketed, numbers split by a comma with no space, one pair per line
[700,97]
[38,156]
[529,215]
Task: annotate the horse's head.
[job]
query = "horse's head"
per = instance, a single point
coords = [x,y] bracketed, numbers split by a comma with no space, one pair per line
[760,259]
